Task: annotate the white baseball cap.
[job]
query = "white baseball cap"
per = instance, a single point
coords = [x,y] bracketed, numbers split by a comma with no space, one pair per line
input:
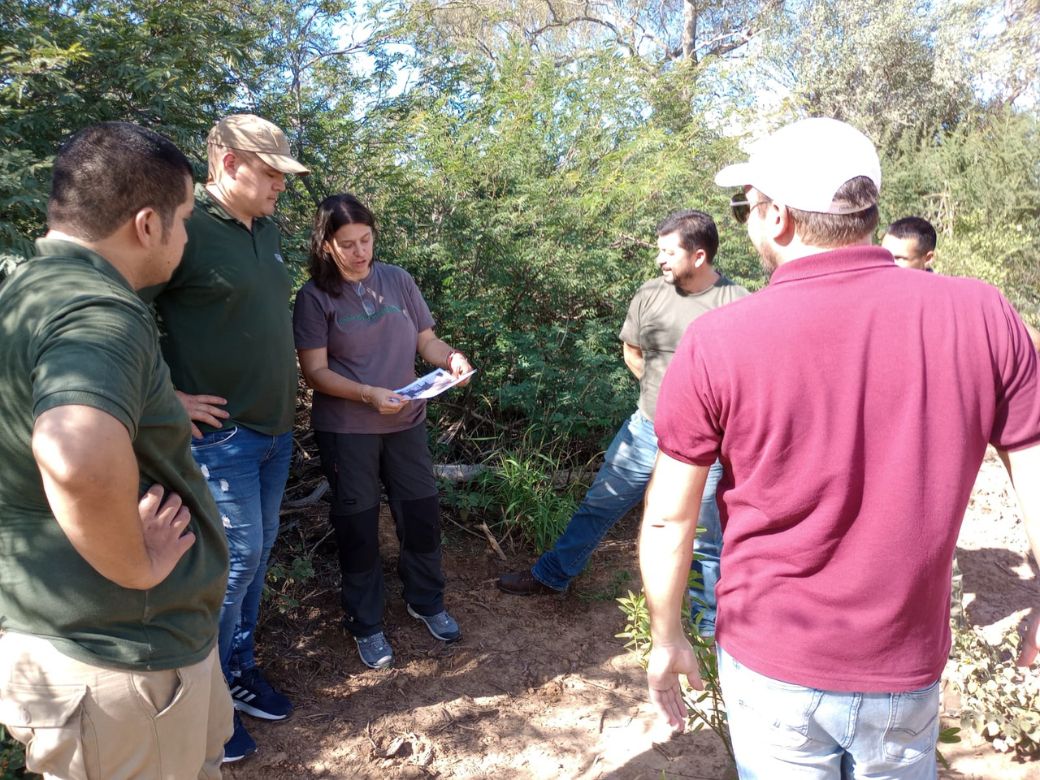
[803,164]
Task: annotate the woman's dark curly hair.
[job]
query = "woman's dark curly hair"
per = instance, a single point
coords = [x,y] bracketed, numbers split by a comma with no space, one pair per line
[333,213]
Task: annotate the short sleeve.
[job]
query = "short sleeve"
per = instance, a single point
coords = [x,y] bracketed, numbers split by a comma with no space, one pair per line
[630,329]
[310,321]
[417,305]
[687,416]
[1017,421]
[101,353]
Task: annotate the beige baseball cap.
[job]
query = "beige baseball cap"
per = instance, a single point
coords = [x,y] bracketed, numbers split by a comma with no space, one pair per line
[803,164]
[250,133]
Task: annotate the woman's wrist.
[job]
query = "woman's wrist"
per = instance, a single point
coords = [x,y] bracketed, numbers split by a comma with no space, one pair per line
[451,355]
[366,394]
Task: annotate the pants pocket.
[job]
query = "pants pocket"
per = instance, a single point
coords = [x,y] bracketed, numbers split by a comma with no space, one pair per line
[913,726]
[764,711]
[48,721]
[159,692]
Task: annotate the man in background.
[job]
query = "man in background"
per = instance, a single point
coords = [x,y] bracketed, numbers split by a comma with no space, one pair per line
[688,287]
[228,341]
[911,240]
[112,559]
[850,450]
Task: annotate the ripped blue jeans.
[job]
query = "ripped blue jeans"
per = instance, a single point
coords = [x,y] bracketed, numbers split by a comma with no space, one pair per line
[246,472]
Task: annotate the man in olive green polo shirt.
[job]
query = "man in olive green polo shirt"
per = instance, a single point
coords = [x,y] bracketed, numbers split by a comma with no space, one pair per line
[112,558]
[228,341]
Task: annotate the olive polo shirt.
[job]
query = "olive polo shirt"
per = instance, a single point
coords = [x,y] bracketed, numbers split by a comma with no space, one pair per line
[227,327]
[73,332]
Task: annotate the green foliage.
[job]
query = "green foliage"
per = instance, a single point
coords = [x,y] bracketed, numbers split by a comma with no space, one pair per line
[12,757]
[998,700]
[976,184]
[522,488]
[169,66]
[286,577]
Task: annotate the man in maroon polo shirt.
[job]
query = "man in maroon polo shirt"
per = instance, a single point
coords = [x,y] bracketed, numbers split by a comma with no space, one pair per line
[851,404]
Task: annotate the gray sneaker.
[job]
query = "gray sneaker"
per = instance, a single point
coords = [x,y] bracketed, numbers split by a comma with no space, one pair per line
[375,651]
[442,625]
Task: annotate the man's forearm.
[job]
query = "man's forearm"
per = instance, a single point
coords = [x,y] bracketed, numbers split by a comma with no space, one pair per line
[1024,469]
[666,538]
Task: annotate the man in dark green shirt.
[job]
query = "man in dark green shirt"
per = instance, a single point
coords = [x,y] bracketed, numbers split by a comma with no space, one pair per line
[228,341]
[112,558]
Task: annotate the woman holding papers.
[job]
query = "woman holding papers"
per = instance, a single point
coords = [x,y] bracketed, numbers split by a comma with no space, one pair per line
[358,325]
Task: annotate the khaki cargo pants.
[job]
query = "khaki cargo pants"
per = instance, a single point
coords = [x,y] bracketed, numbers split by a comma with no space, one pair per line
[83,722]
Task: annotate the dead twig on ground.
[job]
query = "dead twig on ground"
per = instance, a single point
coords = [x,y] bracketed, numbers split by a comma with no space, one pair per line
[493,542]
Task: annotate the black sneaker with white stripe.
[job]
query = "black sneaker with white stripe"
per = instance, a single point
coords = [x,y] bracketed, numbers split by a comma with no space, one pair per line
[253,695]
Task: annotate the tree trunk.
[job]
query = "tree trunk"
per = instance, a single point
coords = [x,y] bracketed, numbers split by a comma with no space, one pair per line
[689,33]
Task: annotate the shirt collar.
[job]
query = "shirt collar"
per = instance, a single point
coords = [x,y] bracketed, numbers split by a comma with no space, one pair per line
[62,248]
[206,201]
[836,261]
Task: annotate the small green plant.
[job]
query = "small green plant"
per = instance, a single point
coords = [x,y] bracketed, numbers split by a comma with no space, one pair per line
[999,700]
[285,579]
[523,487]
[706,708]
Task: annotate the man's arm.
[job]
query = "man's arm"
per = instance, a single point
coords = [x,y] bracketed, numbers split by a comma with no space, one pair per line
[1024,469]
[673,502]
[633,359]
[90,476]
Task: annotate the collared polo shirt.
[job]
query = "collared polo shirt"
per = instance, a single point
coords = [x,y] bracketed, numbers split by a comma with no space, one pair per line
[851,403]
[226,321]
[73,332]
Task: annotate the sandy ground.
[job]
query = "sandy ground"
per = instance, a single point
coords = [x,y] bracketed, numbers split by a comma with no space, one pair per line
[538,687]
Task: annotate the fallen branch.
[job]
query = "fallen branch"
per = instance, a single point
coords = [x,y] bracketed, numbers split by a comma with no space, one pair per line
[309,500]
[493,542]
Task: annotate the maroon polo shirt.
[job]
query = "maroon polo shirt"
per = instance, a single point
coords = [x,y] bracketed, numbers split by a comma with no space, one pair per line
[851,402]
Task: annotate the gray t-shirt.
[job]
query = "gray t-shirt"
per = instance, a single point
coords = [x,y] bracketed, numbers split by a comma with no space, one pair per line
[657,318]
[377,349]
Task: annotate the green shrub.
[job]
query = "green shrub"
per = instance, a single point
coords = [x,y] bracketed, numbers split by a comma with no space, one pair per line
[522,488]
[12,757]
[998,700]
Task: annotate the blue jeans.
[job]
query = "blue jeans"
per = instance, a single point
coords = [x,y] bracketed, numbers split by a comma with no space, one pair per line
[246,472]
[780,730]
[619,485]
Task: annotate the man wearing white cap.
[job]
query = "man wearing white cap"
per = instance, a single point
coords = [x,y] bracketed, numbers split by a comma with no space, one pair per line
[227,336]
[851,404]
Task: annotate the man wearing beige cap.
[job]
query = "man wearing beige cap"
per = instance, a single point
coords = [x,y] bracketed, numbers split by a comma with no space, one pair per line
[851,404]
[228,342]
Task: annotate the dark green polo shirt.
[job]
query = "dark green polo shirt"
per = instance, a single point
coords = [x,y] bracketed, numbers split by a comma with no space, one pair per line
[73,332]
[227,326]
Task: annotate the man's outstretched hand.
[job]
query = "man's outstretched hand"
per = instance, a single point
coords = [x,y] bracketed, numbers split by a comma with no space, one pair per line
[664,665]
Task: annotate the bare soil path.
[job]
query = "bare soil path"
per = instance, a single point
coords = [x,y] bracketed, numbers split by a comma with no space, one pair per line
[538,687]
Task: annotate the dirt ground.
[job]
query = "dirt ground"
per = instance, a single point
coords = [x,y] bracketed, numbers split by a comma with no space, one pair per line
[539,687]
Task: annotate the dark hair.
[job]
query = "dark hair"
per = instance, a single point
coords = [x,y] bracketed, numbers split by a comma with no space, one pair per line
[696,231]
[333,213]
[917,228]
[833,230]
[106,173]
